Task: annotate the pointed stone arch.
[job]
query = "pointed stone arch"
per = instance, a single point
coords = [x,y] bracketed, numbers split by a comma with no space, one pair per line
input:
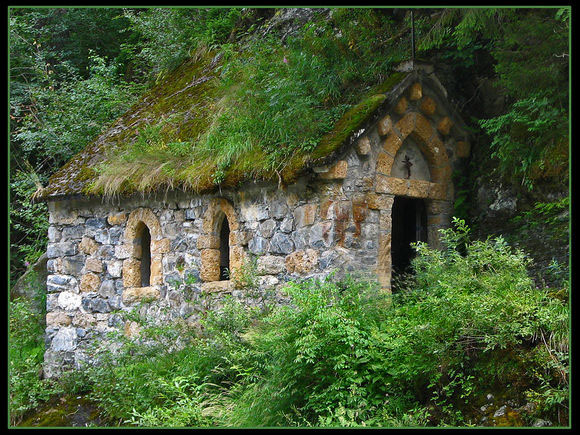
[219,211]
[418,127]
[142,222]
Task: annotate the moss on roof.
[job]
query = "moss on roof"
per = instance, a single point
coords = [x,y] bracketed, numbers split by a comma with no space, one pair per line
[172,116]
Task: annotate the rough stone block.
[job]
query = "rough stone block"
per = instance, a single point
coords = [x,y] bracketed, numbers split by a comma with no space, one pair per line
[210,265]
[65,340]
[160,246]
[363,146]
[444,126]
[117,218]
[217,287]
[84,320]
[428,106]
[394,186]
[406,124]
[437,191]
[88,246]
[281,244]
[69,301]
[301,262]
[385,125]
[423,130]
[72,265]
[258,245]
[401,106]
[138,294]
[266,228]
[61,249]
[131,272]
[392,144]
[57,319]
[208,241]
[337,172]
[90,282]
[416,92]
[114,268]
[270,265]
[418,188]
[93,265]
[72,232]
[305,215]
[378,202]
[384,163]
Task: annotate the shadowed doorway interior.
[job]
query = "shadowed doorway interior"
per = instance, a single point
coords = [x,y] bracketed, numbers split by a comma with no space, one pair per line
[409,220]
[224,250]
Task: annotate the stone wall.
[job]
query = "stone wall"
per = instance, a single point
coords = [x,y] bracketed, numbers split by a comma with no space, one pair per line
[336,220]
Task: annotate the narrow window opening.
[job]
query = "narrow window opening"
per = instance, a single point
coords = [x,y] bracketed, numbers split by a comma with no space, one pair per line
[409,225]
[145,256]
[224,250]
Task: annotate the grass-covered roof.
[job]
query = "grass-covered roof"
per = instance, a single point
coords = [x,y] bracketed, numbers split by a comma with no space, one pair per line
[262,110]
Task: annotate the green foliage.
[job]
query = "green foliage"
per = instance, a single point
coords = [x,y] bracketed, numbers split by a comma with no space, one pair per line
[26,352]
[530,52]
[165,37]
[29,223]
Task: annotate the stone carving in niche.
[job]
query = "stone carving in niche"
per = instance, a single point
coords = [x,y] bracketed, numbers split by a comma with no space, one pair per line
[409,154]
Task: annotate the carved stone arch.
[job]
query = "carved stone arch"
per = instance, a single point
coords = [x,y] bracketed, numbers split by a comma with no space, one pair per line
[418,127]
[209,241]
[143,221]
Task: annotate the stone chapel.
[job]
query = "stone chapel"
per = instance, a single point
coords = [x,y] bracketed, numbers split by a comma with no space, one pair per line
[389,184]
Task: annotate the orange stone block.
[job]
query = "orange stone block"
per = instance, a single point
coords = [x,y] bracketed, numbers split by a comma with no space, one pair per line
[392,144]
[384,163]
[378,202]
[160,246]
[437,191]
[444,126]
[131,273]
[208,241]
[210,265]
[418,188]
[392,185]
[416,92]
[401,106]
[336,172]
[428,106]
[423,130]
[406,124]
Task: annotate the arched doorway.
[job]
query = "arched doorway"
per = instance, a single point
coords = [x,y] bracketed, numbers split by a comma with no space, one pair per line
[409,225]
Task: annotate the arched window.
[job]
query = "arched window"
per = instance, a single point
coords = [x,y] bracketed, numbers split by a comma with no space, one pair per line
[144,240]
[224,250]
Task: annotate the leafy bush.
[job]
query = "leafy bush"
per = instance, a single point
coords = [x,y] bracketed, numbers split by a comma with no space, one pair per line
[26,351]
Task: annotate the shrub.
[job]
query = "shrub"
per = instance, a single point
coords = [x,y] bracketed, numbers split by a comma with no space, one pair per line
[26,351]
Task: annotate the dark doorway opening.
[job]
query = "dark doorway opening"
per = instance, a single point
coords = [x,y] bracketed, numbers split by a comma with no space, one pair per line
[225,250]
[145,256]
[409,225]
